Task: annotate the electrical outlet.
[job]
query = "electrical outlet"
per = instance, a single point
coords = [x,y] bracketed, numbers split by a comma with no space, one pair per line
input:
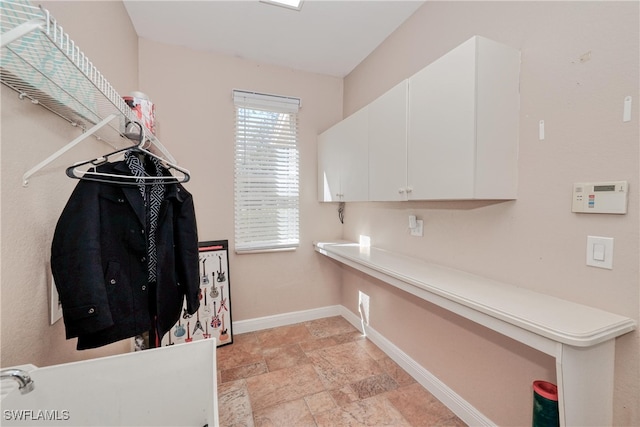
[412,221]
[418,229]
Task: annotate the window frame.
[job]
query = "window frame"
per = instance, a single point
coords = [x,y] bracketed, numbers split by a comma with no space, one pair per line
[266,172]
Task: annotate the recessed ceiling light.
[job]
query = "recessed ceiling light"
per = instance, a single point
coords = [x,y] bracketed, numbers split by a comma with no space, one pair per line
[290,4]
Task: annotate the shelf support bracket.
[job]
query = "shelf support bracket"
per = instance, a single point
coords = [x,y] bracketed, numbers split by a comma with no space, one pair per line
[79,139]
[20,31]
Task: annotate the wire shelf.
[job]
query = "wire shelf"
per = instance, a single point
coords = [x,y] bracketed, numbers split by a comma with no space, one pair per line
[42,63]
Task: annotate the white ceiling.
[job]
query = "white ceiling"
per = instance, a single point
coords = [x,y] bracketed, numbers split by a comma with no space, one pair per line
[325,36]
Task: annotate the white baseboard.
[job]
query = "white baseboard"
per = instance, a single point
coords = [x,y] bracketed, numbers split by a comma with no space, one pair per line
[448,397]
[267,322]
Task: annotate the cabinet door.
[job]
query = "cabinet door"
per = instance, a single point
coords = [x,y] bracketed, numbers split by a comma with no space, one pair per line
[441,141]
[497,116]
[343,160]
[354,165]
[388,145]
[329,166]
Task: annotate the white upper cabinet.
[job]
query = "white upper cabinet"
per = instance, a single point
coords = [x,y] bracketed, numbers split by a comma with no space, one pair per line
[343,160]
[388,145]
[463,124]
[449,132]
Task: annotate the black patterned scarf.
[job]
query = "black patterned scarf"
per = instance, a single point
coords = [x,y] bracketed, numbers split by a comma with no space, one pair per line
[152,200]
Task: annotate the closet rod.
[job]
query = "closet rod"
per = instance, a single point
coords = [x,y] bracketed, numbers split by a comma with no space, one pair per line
[70,145]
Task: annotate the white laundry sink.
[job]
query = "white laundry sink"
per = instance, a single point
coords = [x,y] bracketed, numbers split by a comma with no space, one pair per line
[168,386]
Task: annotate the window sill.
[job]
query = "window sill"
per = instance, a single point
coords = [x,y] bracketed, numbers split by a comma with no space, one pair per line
[266,250]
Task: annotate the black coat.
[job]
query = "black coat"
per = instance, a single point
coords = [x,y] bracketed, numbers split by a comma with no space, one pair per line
[99,261]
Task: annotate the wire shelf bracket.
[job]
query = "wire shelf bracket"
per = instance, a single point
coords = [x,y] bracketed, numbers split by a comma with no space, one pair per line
[70,145]
[20,31]
[42,63]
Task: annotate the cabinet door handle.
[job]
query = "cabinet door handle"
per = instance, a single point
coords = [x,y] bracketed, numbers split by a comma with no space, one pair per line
[401,190]
[409,189]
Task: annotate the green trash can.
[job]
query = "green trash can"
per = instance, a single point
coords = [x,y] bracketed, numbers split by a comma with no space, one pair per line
[545,404]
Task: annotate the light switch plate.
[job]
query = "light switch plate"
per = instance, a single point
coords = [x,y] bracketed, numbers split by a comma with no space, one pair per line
[600,252]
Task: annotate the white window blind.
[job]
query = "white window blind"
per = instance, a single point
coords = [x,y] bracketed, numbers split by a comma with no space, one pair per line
[266,172]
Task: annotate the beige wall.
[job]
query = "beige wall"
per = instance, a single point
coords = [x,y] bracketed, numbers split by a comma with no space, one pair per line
[535,241]
[29,135]
[192,92]
[196,117]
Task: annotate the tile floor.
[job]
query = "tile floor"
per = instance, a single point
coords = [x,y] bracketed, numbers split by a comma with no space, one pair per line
[319,373]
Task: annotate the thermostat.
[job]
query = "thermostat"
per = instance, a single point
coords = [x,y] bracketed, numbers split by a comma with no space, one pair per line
[600,197]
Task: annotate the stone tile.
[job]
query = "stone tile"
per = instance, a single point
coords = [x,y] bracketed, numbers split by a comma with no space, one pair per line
[349,337]
[372,349]
[234,406]
[320,402]
[344,395]
[284,357]
[329,326]
[420,407]
[283,385]
[294,414]
[324,369]
[318,343]
[394,370]
[343,364]
[245,350]
[372,386]
[375,411]
[245,371]
[240,340]
[277,337]
[453,422]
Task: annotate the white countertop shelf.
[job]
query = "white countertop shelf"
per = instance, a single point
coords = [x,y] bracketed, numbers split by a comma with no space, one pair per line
[559,320]
[580,338]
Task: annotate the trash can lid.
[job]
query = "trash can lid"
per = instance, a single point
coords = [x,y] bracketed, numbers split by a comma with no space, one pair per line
[546,389]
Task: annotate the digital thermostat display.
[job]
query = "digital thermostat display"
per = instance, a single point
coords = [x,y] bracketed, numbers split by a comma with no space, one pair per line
[602,197]
[611,187]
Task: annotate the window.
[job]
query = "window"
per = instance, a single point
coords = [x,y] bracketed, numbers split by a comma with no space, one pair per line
[266,172]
